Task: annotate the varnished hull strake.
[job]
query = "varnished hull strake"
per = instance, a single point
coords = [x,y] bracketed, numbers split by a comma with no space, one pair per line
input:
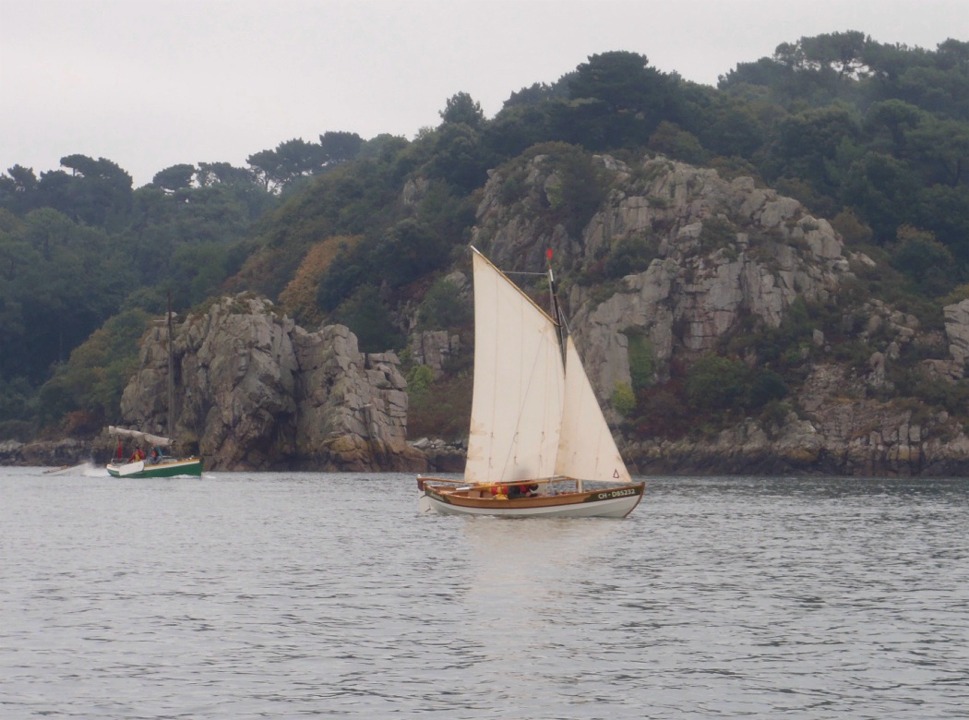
[612,502]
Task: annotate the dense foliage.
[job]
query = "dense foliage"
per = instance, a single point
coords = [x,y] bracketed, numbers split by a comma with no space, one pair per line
[874,136]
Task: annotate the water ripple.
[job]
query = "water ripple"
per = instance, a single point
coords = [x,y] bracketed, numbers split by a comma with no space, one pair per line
[280,595]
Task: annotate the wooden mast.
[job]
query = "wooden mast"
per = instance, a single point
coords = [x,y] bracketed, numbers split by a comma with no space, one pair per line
[171,372]
[556,311]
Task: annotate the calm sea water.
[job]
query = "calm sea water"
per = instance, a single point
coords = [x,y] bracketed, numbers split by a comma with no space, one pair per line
[293,595]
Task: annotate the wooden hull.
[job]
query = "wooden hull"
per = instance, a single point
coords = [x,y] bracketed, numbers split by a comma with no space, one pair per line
[164,468]
[610,502]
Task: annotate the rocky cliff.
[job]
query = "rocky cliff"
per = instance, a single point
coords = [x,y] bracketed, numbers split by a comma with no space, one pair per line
[687,261]
[255,391]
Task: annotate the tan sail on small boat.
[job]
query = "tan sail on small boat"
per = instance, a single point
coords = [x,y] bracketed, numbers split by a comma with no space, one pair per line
[538,443]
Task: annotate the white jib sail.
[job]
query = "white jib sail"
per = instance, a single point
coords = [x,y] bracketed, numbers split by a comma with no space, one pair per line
[518,383]
[587,450]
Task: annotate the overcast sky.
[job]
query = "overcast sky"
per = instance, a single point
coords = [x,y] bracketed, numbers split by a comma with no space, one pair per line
[152,83]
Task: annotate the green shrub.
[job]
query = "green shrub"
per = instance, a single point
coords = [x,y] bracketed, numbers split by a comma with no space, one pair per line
[716,383]
[717,232]
[642,359]
[443,307]
[766,386]
[623,399]
[419,379]
[369,319]
[632,254]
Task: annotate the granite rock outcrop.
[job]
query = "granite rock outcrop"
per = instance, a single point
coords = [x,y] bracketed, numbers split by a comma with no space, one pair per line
[255,391]
[712,257]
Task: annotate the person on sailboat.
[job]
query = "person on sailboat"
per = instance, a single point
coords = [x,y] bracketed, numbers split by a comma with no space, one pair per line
[137,455]
[154,455]
[523,490]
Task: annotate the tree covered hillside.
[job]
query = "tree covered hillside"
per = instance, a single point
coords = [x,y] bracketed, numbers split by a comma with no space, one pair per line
[874,137]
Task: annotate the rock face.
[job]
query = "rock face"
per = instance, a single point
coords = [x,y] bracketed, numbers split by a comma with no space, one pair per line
[708,256]
[432,348]
[720,250]
[66,451]
[255,391]
[957,330]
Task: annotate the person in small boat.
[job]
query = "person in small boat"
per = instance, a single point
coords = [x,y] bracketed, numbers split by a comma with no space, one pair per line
[154,455]
[137,455]
[523,490]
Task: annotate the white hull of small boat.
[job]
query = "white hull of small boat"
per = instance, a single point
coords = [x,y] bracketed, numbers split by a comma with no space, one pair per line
[164,468]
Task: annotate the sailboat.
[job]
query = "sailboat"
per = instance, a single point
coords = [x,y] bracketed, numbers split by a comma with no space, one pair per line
[157,463]
[538,443]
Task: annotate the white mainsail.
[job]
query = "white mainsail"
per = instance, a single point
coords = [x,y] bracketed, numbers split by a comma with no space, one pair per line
[519,383]
[531,417]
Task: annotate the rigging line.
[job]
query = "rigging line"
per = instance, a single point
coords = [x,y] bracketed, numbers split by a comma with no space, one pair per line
[565,324]
[521,292]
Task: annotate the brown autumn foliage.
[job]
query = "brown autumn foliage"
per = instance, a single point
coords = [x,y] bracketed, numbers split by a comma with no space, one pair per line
[298,298]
